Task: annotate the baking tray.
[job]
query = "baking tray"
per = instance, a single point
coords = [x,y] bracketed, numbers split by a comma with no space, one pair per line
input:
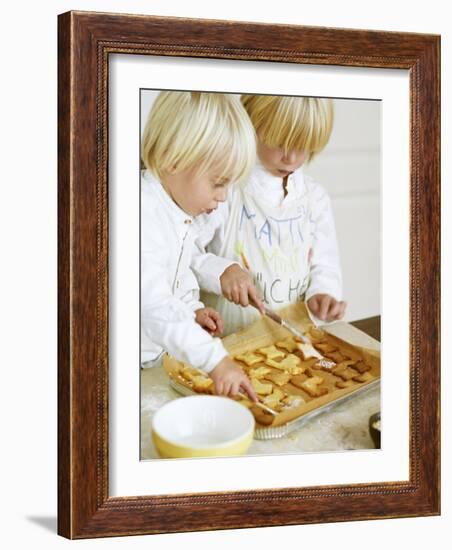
[265,433]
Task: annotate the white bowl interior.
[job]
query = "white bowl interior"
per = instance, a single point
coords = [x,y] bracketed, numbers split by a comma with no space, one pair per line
[202,421]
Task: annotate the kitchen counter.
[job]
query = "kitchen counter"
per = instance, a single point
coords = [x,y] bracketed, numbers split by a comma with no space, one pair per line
[344,427]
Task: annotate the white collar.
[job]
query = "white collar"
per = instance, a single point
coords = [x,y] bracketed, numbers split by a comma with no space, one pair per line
[179,215]
[262,179]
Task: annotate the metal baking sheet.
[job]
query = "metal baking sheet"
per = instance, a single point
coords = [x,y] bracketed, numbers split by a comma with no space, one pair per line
[281,431]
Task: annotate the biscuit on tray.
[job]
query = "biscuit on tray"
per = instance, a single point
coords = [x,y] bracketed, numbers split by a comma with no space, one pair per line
[271,352]
[202,383]
[261,388]
[325,347]
[258,373]
[188,373]
[278,378]
[342,384]
[249,358]
[364,377]
[274,399]
[288,344]
[361,367]
[345,372]
[313,388]
[290,364]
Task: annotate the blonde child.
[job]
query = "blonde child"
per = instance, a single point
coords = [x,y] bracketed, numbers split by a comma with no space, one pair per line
[280,222]
[193,145]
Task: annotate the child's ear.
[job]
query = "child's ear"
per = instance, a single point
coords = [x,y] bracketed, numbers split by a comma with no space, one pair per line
[171,170]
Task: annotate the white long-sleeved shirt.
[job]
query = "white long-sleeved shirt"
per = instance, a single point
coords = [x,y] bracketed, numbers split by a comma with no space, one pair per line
[289,242]
[169,289]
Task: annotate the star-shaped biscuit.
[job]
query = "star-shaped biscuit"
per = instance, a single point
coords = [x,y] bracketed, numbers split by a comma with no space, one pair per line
[288,344]
[261,388]
[249,358]
[271,352]
[313,388]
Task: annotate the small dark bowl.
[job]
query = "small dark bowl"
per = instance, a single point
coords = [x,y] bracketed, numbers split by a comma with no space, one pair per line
[375,433]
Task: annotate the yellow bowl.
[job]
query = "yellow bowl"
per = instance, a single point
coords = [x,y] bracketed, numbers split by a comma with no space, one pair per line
[201,426]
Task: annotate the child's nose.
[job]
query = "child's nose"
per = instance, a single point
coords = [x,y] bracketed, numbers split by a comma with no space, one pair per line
[290,157]
[221,195]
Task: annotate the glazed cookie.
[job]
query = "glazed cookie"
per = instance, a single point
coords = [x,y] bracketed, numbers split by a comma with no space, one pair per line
[313,388]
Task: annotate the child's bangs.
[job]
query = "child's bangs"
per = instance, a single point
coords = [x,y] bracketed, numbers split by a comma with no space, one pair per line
[202,131]
[300,124]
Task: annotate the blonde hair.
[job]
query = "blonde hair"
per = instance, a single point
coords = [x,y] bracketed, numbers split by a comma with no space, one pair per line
[208,131]
[291,123]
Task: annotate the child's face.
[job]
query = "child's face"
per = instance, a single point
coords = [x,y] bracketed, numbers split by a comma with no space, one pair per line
[277,162]
[196,193]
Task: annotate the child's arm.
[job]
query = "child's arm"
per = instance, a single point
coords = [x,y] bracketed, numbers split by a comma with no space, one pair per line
[324,294]
[170,323]
[219,275]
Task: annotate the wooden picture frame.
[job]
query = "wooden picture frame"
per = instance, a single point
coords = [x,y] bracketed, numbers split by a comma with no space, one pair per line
[85,42]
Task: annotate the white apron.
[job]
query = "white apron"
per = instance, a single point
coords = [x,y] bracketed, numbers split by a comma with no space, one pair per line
[276,241]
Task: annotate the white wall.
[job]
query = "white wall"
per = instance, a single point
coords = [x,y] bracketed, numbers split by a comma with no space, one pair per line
[349,168]
[28,229]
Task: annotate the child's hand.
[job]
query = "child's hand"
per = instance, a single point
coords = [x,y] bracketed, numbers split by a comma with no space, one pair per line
[229,379]
[210,320]
[238,287]
[326,308]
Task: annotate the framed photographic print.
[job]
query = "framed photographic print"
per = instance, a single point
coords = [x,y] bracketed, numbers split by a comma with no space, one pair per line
[274,238]
[383,161]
